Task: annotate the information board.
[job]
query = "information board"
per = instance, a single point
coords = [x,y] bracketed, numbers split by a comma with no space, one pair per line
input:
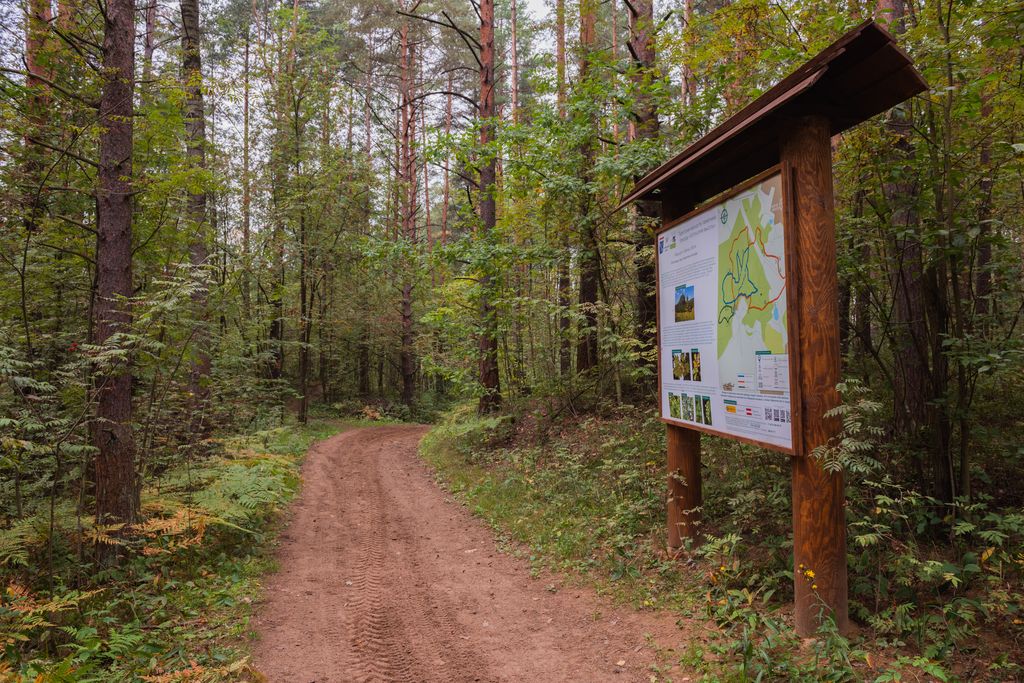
[723,322]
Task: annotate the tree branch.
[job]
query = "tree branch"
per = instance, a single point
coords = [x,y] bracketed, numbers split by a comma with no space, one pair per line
[48,82]
[447,92]
[450,24]
[68,152]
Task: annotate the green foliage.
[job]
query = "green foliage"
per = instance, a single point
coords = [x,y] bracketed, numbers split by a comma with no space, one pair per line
[587,498]
[181,595]
[316,240]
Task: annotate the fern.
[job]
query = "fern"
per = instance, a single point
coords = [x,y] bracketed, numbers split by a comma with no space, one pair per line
[245,492]
[22,614]
[15,543]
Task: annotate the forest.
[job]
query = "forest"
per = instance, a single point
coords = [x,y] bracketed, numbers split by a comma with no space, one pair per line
[231,229]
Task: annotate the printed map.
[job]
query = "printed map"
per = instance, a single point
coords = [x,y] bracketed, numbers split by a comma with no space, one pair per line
[751,286]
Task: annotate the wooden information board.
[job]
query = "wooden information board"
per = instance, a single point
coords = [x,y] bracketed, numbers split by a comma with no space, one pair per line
[724,325]
[748,316]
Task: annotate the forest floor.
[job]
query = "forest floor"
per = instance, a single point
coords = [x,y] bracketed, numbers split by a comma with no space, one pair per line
[384,577]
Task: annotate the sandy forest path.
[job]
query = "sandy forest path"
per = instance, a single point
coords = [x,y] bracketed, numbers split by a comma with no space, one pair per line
[383,577]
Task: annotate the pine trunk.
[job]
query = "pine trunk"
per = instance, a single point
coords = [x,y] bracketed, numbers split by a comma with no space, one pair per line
[195,141]
[920,314]
[37,45]
[646,127]
[564,263]
[246,184]
[447,163]
[117,495]
[514,47]
[590,257]
[490,379]
[407,184]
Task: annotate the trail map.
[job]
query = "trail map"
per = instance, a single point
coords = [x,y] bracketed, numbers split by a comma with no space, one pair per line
[723,320]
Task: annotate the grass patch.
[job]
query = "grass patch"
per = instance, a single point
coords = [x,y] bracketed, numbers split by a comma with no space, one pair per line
[587,497]
[177,606]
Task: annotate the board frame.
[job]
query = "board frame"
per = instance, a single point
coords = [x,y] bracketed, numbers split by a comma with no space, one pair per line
[789,229]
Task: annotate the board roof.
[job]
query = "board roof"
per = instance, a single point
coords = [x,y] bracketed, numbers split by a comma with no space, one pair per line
[862,74]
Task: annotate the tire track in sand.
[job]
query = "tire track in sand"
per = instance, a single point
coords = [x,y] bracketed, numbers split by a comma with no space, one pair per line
[385,579]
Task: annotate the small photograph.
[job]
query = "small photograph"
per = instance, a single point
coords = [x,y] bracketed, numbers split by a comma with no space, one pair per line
[687,402]
[706,408]
[680,364]
[674,408]
[695,364]
[684,303]
[698,412]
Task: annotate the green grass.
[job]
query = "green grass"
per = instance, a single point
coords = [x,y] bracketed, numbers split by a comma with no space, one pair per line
[180,602]
[586,499]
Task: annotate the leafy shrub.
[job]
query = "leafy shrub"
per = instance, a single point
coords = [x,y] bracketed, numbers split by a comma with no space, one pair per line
[154,616]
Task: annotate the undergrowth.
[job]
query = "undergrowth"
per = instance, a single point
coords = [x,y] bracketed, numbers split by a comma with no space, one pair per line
[936,593]
[176,604]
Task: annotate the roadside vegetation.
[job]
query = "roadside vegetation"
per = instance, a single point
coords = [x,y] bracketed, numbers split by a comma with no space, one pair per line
[176,606]
[221,217]
[936,591]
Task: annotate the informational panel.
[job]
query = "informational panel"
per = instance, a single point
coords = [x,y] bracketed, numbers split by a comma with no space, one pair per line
[723,324]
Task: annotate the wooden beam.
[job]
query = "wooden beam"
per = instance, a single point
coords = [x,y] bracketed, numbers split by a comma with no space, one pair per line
[819,524]
[683,445]
[684,485]
[862,74]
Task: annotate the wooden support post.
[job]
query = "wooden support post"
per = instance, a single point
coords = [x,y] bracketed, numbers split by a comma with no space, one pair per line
[819,525]
[684,485]
[684,476]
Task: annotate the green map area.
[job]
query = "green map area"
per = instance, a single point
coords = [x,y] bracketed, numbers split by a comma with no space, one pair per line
[751,280]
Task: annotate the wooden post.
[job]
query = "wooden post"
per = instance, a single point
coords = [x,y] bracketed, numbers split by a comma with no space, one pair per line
[684,484]
[819,525]
[683,445]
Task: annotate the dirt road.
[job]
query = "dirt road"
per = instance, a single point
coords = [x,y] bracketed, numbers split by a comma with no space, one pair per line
[385,578]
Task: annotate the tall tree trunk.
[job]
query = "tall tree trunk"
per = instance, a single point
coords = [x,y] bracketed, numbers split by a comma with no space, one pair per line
[350,116]
[983,279]
[426,180]
[367,112]
[305,327]
[407,182]
[149,45]
[920,316]
[305,295]
[862,292]
[246,181]
[364,365]
[645,128]
[689,81]
[565,261]
[278,177]
[195,140]
[276,333]
[447,164]
[590,256]
[514,47]
[37,47]
[117,495]
[615,84]
[490,379]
